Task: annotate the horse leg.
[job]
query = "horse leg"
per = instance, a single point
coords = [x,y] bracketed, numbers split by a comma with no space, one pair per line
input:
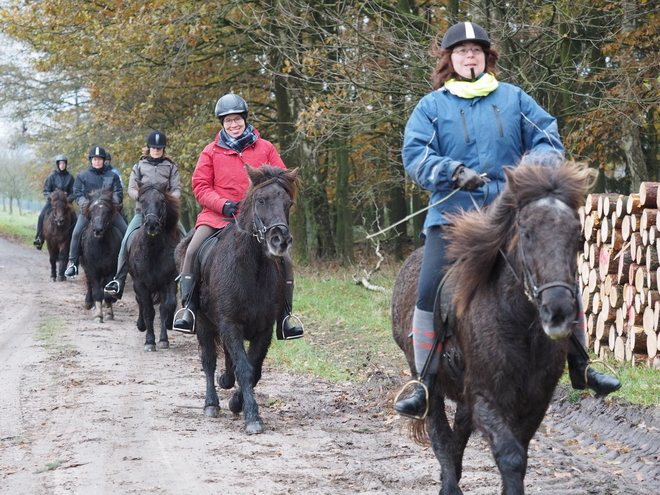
[89,301]
[462,431]
[109,310]
[227,379]
[257,353]
[245,376]
[148,314]
[97,297]
[53,253]
[510,455]
[209,355]
[61,259]
[444,447]
[166,310]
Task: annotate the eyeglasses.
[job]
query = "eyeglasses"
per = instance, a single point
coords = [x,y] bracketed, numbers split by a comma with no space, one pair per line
[230,122]
[463,51]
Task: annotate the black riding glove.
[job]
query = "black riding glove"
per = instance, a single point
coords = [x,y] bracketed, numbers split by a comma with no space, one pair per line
[467,179]
[230,208]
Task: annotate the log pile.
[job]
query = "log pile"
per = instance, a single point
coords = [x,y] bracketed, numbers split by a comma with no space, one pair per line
[619,272]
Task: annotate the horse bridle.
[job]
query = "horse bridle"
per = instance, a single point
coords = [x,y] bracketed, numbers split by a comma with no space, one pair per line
[259,229]
[159,218]
[532,291]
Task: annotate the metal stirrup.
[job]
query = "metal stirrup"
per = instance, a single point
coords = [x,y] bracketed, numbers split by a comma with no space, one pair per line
[184,330]
[426,393]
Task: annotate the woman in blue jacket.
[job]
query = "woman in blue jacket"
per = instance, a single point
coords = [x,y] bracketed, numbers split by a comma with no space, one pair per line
[461,136]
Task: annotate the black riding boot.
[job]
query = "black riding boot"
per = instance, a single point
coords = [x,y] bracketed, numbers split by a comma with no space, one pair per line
[285,329]
[186,323]
[582,376]
[115,288]
[416,406]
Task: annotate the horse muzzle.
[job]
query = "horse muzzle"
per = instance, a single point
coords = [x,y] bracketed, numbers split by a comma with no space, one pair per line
[279,240]
[558,312]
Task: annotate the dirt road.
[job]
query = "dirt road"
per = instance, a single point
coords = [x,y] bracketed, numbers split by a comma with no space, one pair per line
[83,409]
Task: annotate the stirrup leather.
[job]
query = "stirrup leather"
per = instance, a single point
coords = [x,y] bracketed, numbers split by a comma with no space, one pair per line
[426,392]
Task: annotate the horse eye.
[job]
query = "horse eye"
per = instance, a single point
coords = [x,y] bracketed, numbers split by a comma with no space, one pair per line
[261,201]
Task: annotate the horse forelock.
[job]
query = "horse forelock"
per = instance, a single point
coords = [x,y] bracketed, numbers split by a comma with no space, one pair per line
[476,238]
[172,205]
[96,197]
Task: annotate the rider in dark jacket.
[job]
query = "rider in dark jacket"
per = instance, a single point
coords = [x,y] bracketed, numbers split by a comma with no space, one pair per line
[58,179]
[97,176]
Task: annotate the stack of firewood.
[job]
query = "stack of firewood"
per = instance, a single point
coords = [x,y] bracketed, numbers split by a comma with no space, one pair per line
[619,273]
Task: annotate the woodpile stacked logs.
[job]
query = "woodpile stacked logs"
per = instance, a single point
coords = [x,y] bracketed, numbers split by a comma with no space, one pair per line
[619,273]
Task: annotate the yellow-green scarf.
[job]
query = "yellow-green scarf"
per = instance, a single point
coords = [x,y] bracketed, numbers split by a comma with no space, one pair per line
[483,86]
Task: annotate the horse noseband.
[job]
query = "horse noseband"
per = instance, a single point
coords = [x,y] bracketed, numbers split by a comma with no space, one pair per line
[159,221]
[533,292]
[259,230]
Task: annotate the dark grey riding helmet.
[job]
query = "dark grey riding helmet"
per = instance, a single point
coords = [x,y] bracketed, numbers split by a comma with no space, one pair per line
[465,31]
[156,139]
[96,151]
[60,158]
[229,104]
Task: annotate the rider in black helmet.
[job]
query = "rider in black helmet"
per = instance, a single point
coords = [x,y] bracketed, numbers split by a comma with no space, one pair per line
[58,179]
[97,176]
[154,167]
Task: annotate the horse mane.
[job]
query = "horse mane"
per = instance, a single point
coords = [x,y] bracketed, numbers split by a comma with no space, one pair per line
[476,238]
[172,206]
[102,195]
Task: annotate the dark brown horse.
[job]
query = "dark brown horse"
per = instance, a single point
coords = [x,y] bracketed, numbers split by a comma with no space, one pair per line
[241,290]
[58,228]
[99,249]
[512,291]
[151,262]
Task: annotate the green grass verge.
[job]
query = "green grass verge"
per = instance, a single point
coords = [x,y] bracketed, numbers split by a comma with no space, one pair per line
[20,228]
[347,328]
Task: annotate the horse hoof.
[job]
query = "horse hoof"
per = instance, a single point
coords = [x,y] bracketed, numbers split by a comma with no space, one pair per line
[254,427]
[110,317]
[90,305]
[98,319]
[163,344]
[236,403]
[225,381]
[53,279]
[141,326]
[150,347]
[62,279]
[211,411]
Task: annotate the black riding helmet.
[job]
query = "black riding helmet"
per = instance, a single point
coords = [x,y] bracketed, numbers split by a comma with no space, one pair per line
[465,31]
[96,151]
[156,139]
[230,104]
[60,158]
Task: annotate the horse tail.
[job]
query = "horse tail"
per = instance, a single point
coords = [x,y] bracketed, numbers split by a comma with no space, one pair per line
[418,432]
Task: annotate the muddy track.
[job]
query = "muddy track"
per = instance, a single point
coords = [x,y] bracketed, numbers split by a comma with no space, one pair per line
[83,409]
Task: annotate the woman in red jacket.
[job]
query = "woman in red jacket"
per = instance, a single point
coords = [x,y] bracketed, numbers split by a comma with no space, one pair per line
[219,183]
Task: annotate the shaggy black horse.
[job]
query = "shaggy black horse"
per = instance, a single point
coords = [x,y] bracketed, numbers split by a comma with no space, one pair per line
[58,229]
[99,249]
[151,262]
[241,290]
[512,291]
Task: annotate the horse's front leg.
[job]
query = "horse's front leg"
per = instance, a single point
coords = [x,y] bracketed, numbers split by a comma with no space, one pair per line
[62,259]
[53,255]
[206,338]
[444,448]
[510,455]
[257,353]
[147,315]
[166,310]
[462,431]
[227,379]
[245,377]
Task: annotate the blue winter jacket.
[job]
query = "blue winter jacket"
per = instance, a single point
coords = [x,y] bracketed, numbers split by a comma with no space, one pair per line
[485,134]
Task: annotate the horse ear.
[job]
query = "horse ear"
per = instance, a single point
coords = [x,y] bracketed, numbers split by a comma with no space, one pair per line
[253,174]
